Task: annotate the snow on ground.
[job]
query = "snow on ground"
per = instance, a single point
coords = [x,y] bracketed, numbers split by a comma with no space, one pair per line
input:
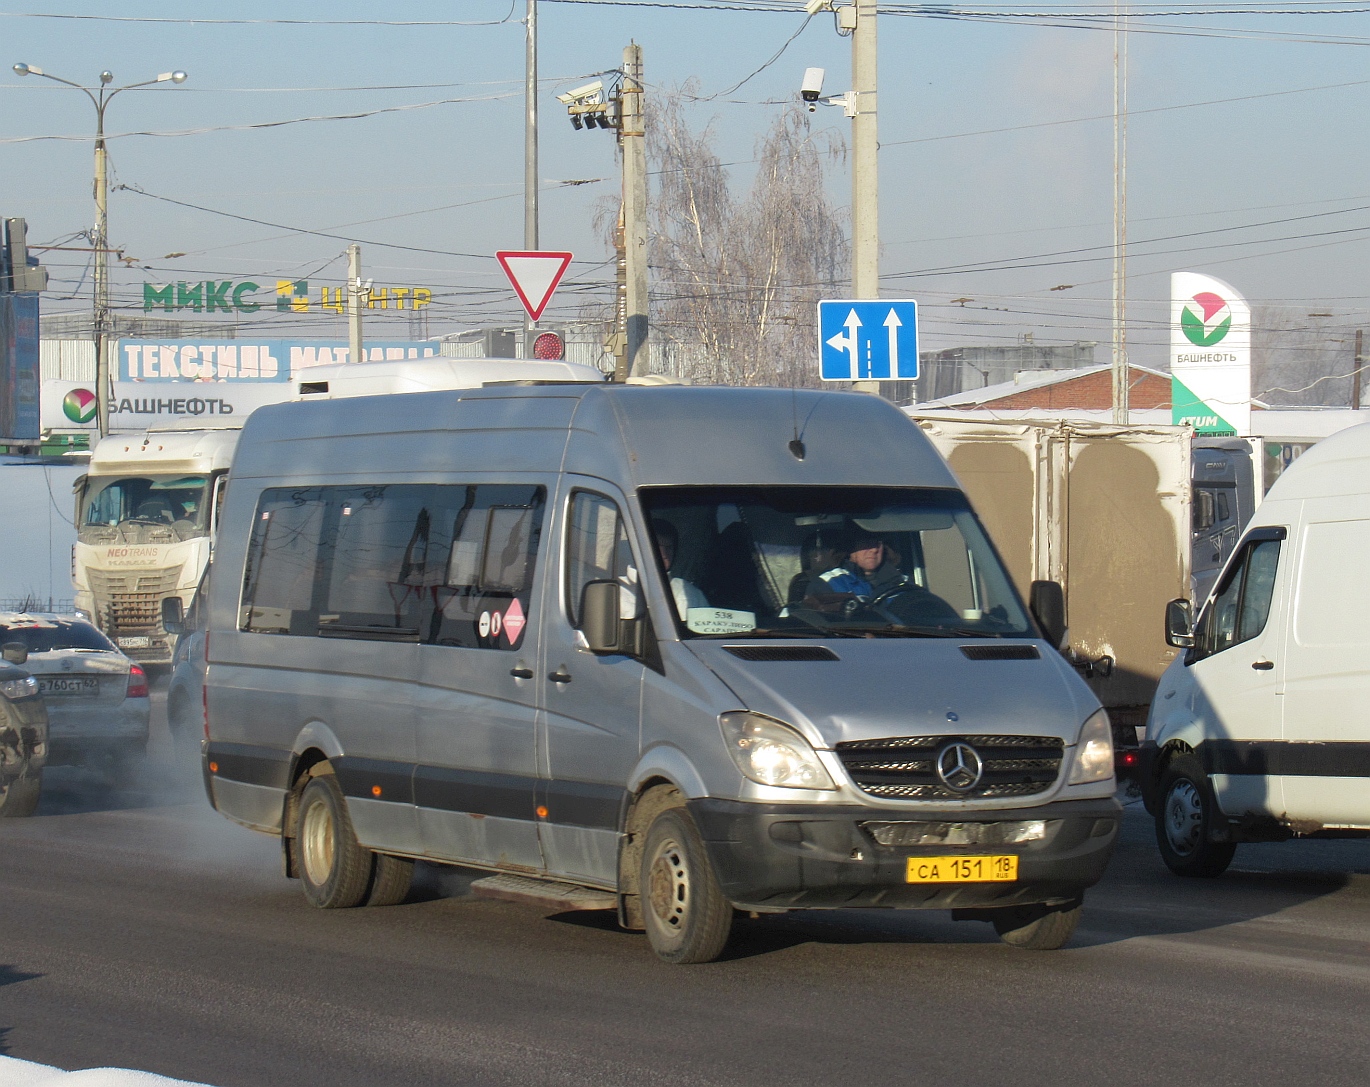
[17,1073]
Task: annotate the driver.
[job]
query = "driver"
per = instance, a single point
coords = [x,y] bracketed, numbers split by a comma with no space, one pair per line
[873,561]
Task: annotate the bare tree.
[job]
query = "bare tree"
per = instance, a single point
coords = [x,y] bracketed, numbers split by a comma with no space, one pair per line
[735,283]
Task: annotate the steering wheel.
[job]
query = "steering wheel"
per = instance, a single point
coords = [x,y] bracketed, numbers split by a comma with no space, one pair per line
[930,606]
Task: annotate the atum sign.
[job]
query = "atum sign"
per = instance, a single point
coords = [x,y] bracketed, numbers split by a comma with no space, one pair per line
[292,296]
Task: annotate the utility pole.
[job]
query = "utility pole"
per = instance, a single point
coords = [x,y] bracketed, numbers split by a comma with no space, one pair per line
[865,176]
[354,304]
[1121,375]
[632,138]
[101,245]
[1355,376]
[530,154]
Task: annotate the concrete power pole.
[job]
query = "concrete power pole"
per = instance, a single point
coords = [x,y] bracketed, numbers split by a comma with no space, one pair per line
[101,245]
[632,136]
[354,304]
[865,174]
[530,154]
[1121,375]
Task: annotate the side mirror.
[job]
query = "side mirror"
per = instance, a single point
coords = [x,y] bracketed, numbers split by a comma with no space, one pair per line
[1179,624]
[15,652]
[1048,603]
[599,616]
[173,615]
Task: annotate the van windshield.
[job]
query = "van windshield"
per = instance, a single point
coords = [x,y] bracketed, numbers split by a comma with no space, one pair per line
[842,561]
[144,509]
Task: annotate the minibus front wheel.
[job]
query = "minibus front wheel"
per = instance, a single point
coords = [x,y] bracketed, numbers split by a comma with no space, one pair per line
[683,910]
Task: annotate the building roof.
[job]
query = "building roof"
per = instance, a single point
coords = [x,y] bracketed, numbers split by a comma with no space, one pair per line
[1027,380]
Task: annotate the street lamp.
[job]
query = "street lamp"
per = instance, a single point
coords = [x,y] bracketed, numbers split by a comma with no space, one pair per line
[100,98]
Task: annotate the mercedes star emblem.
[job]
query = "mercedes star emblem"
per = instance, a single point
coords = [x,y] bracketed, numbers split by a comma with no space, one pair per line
[959,766]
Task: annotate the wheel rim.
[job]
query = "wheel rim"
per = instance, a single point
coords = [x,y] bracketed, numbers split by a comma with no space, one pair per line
[316,842]
[1184,817]
[669,886]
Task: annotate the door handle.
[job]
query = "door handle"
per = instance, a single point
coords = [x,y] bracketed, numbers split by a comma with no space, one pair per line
[521,673]
[1262,666]
[559,676]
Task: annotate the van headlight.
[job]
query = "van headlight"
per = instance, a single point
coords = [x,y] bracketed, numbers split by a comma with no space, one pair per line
[1093,751]
[770,753]
[15,689]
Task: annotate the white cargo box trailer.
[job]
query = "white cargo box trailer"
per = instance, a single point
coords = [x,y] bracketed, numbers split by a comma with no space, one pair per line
[1103,510]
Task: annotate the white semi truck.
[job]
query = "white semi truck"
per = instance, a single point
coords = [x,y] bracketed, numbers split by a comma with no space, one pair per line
[145,516]
[147,509]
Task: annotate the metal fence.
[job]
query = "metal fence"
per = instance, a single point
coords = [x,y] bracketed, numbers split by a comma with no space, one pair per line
[34,603]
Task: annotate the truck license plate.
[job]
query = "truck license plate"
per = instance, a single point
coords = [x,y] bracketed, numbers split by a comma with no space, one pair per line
[139,641]
[69,685]
[994,869]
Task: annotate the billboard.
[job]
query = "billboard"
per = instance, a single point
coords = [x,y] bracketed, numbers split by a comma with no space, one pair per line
[160,380]
[19,400]
[1210,355]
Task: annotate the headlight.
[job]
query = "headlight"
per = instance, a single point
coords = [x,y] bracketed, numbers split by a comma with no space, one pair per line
[770,753]
[1094,751]
[19,688]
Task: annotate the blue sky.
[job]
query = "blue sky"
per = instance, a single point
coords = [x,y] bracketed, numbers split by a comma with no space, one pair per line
[1274,174]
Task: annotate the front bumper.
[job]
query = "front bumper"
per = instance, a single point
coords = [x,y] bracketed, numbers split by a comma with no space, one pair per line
[774,856]
[23,738]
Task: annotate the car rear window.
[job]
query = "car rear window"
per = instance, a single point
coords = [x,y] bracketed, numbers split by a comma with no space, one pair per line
[45,636]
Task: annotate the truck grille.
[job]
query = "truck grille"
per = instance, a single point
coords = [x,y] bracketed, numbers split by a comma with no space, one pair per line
[905,767]
[131,603]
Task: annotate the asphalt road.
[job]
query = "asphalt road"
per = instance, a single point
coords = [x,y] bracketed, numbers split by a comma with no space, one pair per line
[139,929]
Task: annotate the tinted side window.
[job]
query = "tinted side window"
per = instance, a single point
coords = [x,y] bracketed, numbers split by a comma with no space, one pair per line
[1239,609]
[442,564]
[597,547]
[283,563]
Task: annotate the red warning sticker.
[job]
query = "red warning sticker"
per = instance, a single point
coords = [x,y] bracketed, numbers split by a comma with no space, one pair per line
[514,622]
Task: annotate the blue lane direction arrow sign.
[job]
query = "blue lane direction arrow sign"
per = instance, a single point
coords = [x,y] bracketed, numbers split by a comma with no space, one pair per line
[868,341]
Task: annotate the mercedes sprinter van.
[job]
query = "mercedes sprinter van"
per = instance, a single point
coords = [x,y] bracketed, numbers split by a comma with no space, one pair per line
[671,651]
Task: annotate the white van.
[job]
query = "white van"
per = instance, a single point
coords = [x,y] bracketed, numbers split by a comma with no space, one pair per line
[670,651]
[1261,730]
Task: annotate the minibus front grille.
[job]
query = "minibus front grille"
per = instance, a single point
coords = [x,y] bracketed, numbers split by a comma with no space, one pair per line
[905,767]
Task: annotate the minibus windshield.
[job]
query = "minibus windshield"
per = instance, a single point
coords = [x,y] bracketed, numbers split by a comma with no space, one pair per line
[829,561]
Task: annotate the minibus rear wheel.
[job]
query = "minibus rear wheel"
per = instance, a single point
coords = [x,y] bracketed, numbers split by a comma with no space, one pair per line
[334,869]
[1185,814]
[686,916]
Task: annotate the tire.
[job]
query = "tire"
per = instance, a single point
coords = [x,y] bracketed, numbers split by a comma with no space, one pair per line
[1038,928]
[335,870]
[390,881]
[686,916]
[19,798]
[1185,811]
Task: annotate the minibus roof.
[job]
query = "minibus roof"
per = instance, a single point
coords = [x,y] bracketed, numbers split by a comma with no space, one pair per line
[633,435]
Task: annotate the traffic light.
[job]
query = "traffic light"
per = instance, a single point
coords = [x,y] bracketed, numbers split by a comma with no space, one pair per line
[548,345]
[18,271]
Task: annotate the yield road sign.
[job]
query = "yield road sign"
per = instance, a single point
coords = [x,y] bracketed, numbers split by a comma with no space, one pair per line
[860,341]
[535,275]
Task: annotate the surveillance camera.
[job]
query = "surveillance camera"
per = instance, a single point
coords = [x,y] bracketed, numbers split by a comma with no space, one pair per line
[581,94]
[812,86]
[813,7]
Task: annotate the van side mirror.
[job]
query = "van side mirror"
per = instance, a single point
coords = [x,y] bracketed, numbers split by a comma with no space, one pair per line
[173,615]
[599,621]
[1048,603]
[15,652]
[1179,624]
